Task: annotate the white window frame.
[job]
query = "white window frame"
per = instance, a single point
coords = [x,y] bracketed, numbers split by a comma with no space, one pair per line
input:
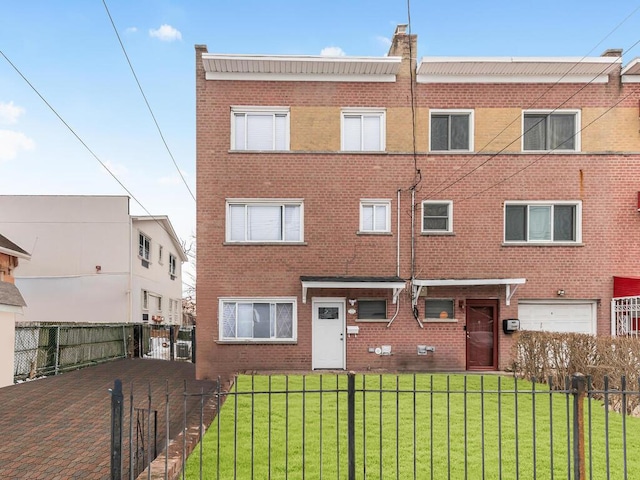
[275,202]
[172,266]
[578,222]
[248,110]
[270,300]
[577,129]
[146,253]
[372,202]
[449,229]
[439,319]
[469,113]
[364,112]
[145,300]
[160,252]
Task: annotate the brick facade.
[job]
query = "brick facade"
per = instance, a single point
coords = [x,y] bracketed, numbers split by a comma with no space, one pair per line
[331,184]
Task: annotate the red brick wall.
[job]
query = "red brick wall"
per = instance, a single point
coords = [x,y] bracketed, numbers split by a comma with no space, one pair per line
[332,185]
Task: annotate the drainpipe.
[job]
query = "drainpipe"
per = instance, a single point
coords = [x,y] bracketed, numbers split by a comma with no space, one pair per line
[398,239]
[414,301]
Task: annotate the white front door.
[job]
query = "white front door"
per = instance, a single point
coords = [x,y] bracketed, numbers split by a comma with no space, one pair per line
[328,333]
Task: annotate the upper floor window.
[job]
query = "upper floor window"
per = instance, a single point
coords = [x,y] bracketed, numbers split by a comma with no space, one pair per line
[375,216]
[160,254]
[144,249]
[363,130]
[546,131]
[172,266]
[437,216]
[451,130]
[265,221]
[258,319]
[145,300]
[260,128]
[543,222]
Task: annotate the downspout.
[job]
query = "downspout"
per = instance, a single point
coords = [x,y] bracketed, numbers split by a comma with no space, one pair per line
[414,299]
[397,262]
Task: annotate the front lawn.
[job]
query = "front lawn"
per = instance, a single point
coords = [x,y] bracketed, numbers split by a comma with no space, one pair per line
[407,426]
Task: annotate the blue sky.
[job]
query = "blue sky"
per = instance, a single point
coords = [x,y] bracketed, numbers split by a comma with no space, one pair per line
[68,50]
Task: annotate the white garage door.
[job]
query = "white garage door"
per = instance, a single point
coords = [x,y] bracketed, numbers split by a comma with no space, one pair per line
[558,316]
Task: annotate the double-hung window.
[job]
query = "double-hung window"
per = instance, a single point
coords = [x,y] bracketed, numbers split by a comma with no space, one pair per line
[172,266]
[265,221]
[144,249]
[375,216]
[437,216]
[260,128]
[256,319]
[543,222]
[547,131]
[363,130]
[451,130]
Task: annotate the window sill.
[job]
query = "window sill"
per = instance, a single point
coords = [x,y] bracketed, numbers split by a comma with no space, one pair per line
[259,151]
[364,320]
[552,152]
[362,152]
[440,320]
[451,152]
[287,244]
[256,342]
[542,244]
[432,234]
[382,234]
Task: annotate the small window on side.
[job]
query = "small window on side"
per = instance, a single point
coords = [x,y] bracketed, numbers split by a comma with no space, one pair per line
[441,309]
[372,309]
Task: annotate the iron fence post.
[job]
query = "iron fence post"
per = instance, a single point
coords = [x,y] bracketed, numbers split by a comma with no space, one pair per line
[57,366]
[579,391]
[193,344]
[172,342]
[351,427]
[117,417]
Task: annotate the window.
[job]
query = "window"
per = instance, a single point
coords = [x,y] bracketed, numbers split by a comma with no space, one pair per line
[375,216]
[451,130]
[172,266]
[144,251]
[159,299]
[260,128]
[160,252]
[542,222]
[145,300]
[438,309]
[265,221]
[437,216]
[550,131]
[258,319]
[363,131]
[372,309]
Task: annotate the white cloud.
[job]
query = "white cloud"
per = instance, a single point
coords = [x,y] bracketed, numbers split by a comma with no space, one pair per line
[9,112]
[117,169]
[172,179]
[12,142]
[166,33]
[332,52]
[383,41]
[131,30]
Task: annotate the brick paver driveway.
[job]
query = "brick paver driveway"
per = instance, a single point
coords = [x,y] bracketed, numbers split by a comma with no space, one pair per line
[59,427]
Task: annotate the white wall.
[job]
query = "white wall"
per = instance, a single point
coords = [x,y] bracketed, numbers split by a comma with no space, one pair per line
[7,346]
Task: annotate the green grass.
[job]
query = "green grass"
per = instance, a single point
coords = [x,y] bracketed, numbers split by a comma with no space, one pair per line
[431,433]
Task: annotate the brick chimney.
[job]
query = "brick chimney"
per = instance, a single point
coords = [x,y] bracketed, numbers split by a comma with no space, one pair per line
[405,46]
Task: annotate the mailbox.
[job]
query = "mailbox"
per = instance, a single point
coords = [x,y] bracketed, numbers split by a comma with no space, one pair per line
[510,325]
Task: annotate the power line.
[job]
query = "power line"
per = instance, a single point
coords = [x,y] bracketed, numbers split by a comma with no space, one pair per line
[531,104]
[166,146]
[73,132]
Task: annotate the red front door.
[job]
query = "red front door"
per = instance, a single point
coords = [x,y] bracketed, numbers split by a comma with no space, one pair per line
[482,334]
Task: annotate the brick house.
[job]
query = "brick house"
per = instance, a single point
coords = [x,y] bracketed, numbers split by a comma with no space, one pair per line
[376,213]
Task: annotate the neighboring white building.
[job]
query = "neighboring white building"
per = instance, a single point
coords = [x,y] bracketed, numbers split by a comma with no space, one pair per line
[91,261]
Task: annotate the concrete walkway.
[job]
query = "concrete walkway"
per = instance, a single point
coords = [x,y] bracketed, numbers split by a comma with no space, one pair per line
[59,427]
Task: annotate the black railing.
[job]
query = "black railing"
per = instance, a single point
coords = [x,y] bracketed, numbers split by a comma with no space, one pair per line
[421,426]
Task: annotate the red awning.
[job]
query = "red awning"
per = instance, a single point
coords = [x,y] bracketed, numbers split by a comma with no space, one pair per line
[626,287]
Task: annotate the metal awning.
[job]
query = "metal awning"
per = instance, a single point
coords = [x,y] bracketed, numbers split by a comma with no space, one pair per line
[396,284]
[511,284]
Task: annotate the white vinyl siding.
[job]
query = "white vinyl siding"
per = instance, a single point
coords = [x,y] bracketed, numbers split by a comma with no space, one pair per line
[551,131]
[265,221]
[363,131]
[259,129]
[256,319]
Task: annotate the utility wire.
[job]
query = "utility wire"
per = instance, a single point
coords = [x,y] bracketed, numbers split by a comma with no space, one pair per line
[435,191]
[146,101]
[93,154]
[634,91]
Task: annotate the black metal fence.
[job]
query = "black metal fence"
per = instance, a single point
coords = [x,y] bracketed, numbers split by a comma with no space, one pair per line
[421,426]
[49,349]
